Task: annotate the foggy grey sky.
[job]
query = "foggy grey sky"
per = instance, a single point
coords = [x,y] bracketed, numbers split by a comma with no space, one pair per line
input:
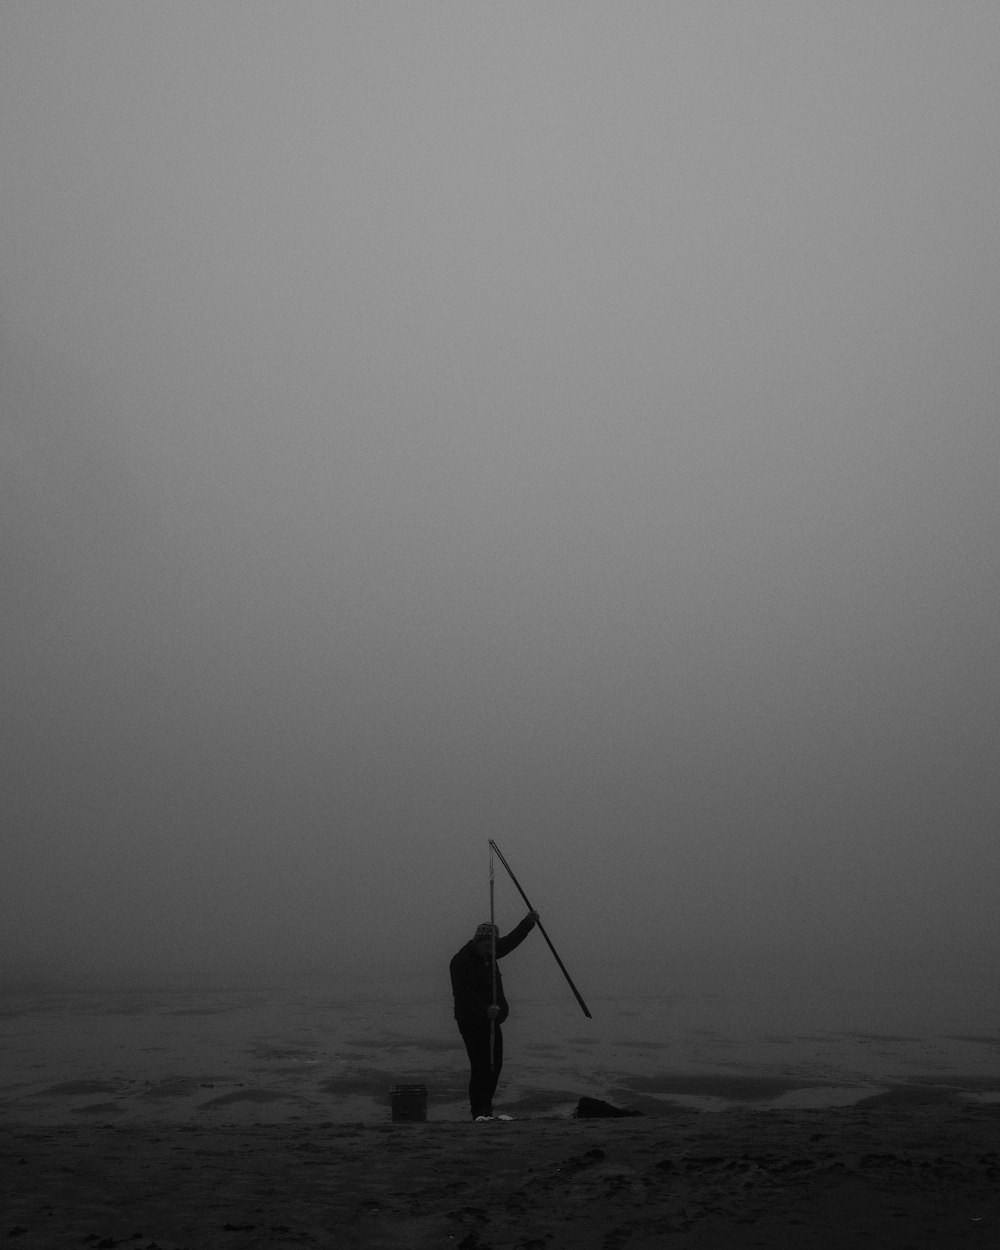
[571,423]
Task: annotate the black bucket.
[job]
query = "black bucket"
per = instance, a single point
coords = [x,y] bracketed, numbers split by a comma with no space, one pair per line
[409,1103]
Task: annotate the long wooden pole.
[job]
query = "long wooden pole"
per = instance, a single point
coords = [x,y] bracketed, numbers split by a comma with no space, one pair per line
[541,930]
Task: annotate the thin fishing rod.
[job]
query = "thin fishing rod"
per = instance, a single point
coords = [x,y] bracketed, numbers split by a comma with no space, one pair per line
[541,930]
[493,950]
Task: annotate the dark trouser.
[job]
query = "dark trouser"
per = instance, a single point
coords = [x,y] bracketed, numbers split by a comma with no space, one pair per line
[483,1078]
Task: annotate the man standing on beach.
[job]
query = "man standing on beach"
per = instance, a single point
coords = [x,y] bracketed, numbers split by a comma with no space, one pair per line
[478,1013]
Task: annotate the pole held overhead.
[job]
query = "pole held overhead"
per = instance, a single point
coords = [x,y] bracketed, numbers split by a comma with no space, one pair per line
[541,930]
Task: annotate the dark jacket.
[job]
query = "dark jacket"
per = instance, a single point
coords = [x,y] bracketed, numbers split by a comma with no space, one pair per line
[472,978]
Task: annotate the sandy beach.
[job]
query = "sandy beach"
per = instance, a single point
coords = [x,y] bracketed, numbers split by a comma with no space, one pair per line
[898,1171]
[190,1121]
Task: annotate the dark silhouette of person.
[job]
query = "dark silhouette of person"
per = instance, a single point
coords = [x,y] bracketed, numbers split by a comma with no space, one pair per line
[478,1013]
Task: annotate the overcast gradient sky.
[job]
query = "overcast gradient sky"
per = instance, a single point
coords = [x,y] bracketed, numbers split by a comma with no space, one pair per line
[571,423]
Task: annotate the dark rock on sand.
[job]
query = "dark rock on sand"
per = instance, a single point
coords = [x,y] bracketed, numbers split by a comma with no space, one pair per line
[597,1109]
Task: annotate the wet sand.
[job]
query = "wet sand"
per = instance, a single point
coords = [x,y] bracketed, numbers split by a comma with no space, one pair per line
[905,1169]
[191,1122]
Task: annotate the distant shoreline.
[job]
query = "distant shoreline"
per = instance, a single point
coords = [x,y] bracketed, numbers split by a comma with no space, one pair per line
[236,1056]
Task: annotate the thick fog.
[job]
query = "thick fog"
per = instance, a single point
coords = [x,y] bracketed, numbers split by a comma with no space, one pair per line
[574,424]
